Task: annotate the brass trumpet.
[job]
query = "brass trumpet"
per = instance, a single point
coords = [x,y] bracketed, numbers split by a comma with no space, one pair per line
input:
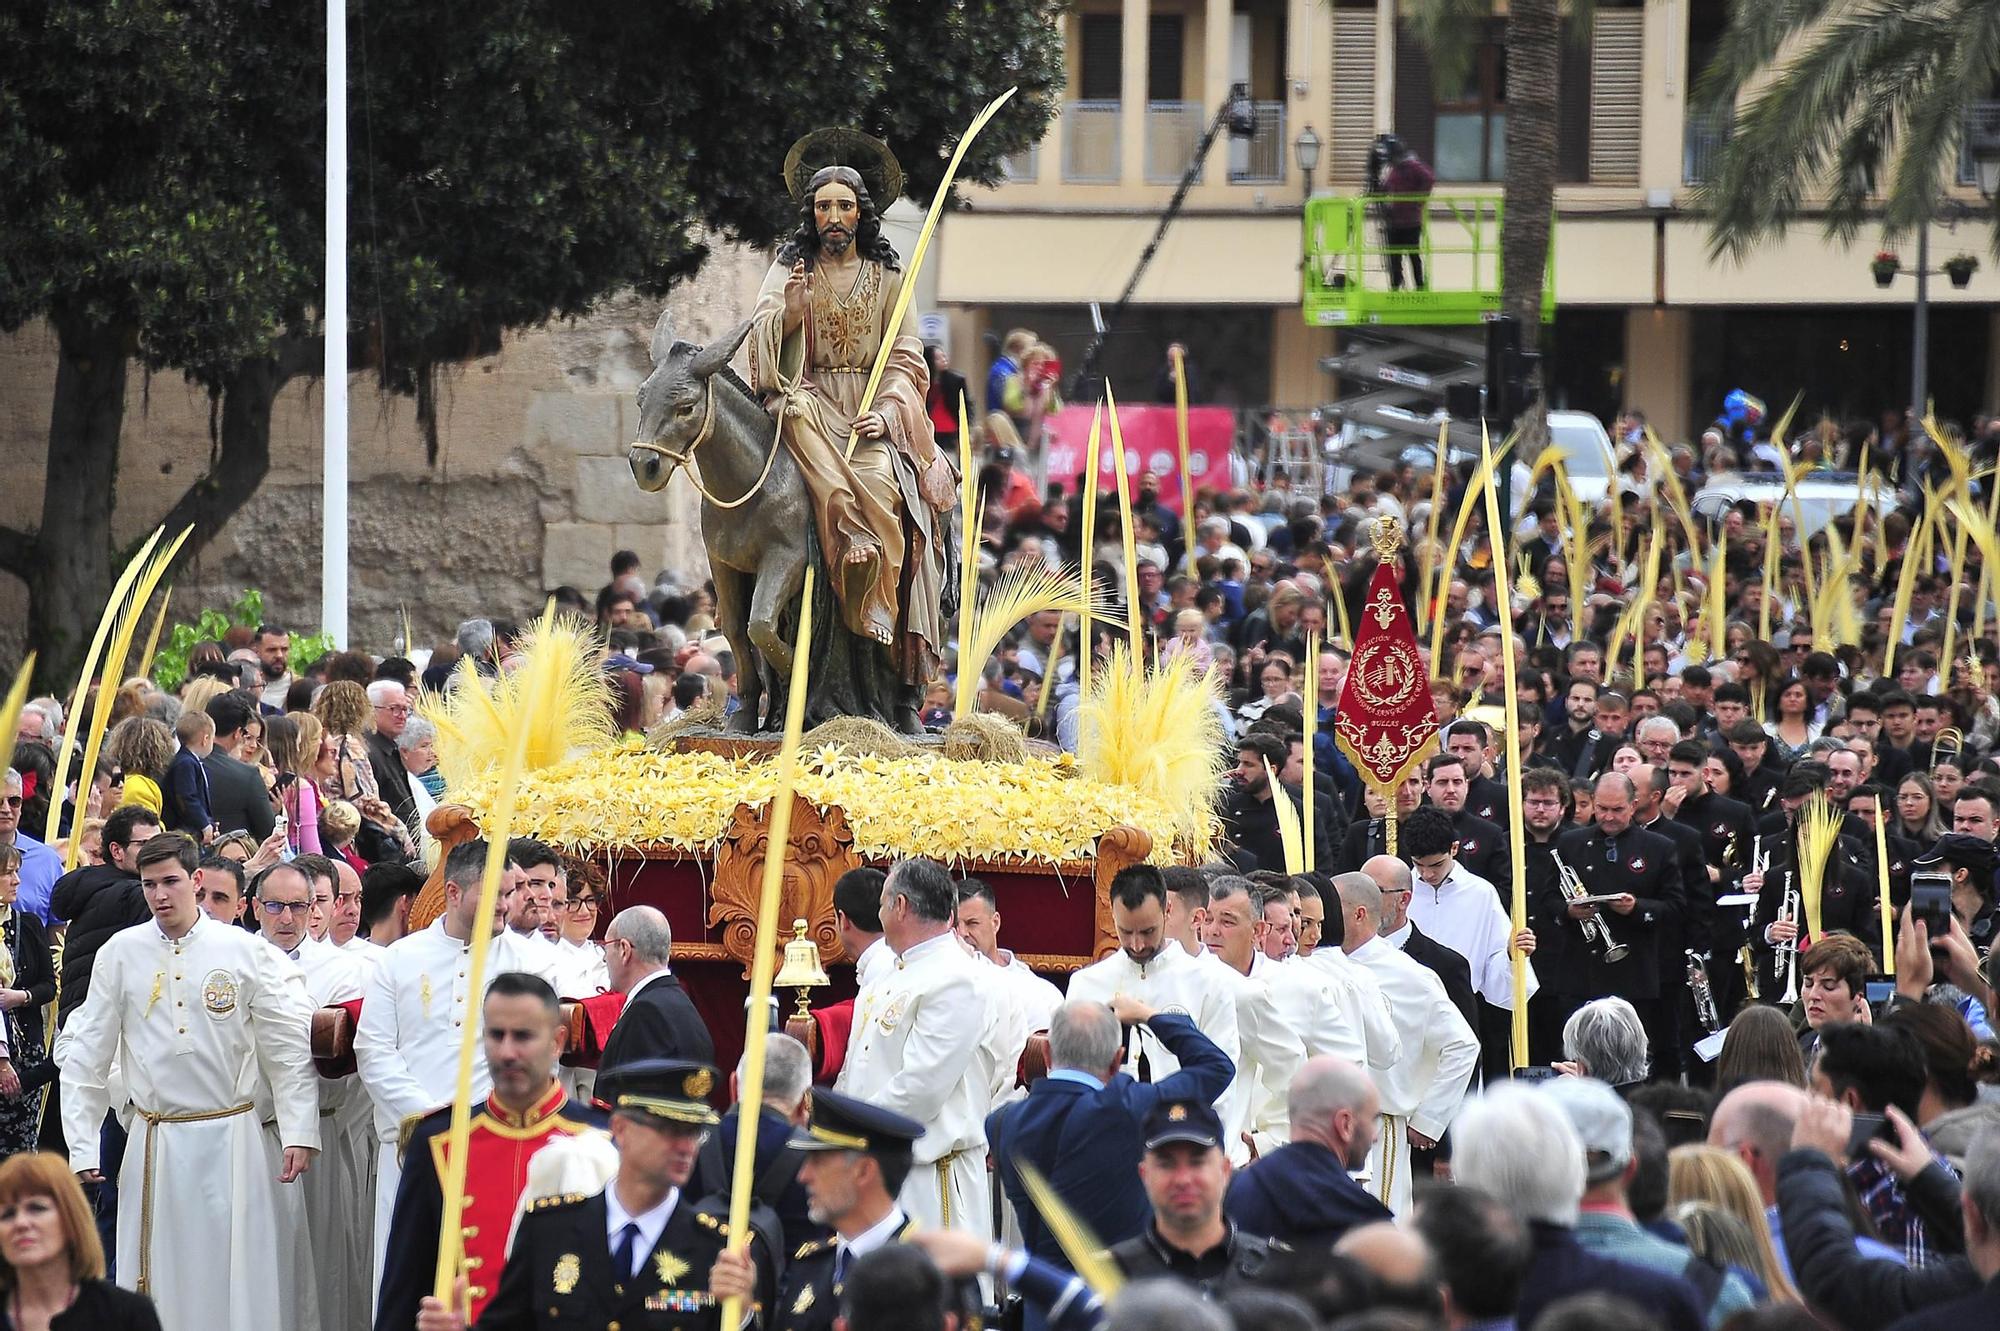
[1594,927]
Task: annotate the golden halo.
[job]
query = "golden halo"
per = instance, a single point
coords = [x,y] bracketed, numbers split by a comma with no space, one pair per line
[880,172]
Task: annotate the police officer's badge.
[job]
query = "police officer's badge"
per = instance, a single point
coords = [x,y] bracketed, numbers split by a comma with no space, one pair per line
[569,1269]
[670,1267]
[804,1300]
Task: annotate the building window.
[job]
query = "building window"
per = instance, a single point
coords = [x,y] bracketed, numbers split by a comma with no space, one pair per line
[1471,121]
[1101,62]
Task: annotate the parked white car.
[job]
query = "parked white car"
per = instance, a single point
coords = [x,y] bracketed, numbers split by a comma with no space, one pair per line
[1823,496]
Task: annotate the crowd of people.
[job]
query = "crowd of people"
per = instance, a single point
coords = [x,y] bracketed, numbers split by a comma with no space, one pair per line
[1761,1088]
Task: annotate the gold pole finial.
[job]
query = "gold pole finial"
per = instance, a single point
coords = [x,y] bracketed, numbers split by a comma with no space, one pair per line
[1387,537]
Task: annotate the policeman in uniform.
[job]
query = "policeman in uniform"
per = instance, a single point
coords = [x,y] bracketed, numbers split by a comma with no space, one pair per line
[636,1256]
[857,1158]
[1641,873]
[1190,1240]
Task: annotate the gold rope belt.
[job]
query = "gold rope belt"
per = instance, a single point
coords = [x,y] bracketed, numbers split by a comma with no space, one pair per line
[1392,1140]
[153,1120]
[944,1184]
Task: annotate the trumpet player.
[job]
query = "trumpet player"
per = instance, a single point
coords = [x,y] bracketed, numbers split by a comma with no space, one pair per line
[1847,896]
[1728,832]
[1639,874]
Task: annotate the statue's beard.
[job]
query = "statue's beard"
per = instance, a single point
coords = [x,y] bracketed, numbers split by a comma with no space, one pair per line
[836,240]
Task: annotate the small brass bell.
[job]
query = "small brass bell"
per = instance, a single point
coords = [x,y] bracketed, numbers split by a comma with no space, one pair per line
[801,970]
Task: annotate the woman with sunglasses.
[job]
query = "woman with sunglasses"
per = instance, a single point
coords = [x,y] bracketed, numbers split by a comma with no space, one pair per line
[27,986]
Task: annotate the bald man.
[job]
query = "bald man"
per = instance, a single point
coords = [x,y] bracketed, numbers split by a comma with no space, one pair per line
[1422,1092]
[1304,1193]
[1399,1259]
[1755,1122]
[1398,885]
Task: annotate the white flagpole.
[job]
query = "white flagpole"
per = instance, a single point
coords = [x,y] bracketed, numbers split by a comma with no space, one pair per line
[333,543]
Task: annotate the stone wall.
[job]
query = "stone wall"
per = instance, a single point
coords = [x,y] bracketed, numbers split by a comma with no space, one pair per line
[530,489]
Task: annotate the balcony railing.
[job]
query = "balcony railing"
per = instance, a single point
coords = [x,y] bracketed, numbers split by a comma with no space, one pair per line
[1260,159]
[1022,167]
[1173,132]
[1702,137]
[1090,143]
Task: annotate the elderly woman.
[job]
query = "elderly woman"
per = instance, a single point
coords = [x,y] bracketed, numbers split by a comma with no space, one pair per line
[27,985]
[1605,1039]
[417,746]
[51,1262]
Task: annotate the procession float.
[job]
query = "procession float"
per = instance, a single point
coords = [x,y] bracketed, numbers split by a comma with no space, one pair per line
[835,531]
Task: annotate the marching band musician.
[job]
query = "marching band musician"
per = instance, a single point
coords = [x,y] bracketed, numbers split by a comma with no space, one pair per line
[1640,873]
[1847,895]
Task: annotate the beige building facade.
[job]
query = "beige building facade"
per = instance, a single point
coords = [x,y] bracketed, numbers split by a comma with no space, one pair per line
[1647,318]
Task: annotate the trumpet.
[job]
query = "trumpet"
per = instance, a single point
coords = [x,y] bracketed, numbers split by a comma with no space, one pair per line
[1789,958]
[1594,927]
[1745,956]
[1704,993]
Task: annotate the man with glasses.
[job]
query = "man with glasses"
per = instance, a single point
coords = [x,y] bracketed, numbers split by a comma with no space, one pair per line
[391,702]
[335,1191]
[659,1020]
[40,866]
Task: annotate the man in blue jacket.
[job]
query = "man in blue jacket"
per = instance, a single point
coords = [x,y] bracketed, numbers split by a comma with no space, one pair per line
[1304,1192]
[1079,1125]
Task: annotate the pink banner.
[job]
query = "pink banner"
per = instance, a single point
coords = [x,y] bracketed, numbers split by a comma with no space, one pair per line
[1150,445]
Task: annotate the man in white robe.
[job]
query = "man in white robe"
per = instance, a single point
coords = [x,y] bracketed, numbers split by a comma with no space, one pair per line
[211,1030]
[1153,966]
[915,1049]
[1456,907]
[1271,1048]
[1422,1093]
[1032,999]
[339,1190]
[414,1015]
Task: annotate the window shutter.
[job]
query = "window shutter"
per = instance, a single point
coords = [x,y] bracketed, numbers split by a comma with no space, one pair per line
[1616,50]
[1099,71]
[1163,57]
[1416,110]
[1353,113]
[1573,113]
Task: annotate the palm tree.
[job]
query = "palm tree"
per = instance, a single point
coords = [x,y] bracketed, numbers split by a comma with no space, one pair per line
[1448,30]
[1841,96]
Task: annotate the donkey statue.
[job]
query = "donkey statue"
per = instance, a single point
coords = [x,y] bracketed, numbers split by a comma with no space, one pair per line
[758,525]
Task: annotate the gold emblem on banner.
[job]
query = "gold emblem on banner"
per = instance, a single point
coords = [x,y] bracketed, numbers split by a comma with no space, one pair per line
[569,1269]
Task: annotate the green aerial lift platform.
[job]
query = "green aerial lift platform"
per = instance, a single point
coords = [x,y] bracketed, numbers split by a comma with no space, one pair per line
[1347,263]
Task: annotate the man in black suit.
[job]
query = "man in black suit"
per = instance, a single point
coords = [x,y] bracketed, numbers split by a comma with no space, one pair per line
[1697,918]
[237,799]
[659,1020]
[775,1179]
[612,1258]
[1304,1193]
[1399,930]
[1482,846]
[1641,874]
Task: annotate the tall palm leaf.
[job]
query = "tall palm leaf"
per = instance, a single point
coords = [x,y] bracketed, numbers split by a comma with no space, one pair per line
[1849,97]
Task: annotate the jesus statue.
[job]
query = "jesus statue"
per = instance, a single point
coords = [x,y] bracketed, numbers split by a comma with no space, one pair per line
[821,318]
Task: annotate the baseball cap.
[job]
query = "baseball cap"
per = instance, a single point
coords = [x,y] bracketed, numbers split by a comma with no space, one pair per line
[1186,1120]
[1603,1123]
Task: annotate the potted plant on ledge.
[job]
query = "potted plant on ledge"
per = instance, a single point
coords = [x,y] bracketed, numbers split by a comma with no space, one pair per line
[1960,268]
[1885,265]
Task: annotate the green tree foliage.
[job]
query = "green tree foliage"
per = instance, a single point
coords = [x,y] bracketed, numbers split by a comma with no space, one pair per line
[1864,100]
[508,163]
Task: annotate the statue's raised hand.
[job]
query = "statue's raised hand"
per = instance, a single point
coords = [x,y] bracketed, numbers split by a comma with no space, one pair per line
[798,295]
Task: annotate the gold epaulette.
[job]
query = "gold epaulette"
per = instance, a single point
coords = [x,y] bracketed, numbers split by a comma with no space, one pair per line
[807,1249]
[407,1128]
[703,1218]
[558,1199]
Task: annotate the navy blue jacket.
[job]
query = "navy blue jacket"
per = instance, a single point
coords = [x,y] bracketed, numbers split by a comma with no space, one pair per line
[1086,1142]
[1561,1267]
[661,1022]
[1300,1194]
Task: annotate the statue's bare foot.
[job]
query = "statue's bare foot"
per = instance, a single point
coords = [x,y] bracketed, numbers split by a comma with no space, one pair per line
[859,570]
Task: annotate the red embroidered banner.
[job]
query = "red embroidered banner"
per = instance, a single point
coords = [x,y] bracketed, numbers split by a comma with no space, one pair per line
[1385,720]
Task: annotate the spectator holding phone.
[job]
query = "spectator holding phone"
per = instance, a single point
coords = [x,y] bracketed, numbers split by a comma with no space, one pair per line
[1869,1070]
